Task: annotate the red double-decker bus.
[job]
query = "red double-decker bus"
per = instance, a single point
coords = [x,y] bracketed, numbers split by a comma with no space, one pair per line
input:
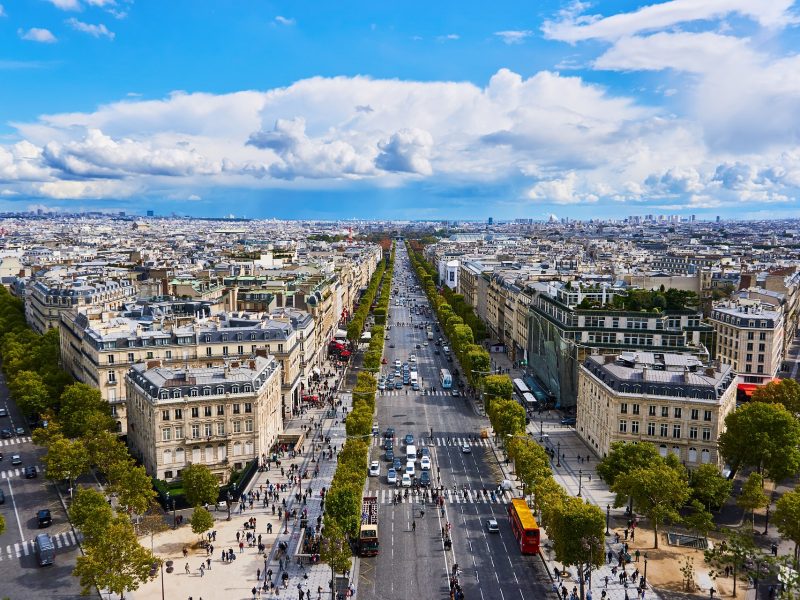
[524,526]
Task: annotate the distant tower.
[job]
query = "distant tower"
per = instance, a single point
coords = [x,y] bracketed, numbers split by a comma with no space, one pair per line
[490,221]
[349,235]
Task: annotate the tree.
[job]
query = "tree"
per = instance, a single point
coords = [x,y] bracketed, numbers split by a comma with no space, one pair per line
[709,486]
[507,417]
[785,391]
[531,462]
[622,457]
[90,512]
[658,492]
[114,561]
[343,506]
[201,520]
[84,410]
[578,534]
[787,517]
[105,450]
[200,485]
[334,550]
[733,553]
[763,436]
[2,524]
[699,520]
[65,459]
[497,387]
[133,486]
[30,392]
[753,496]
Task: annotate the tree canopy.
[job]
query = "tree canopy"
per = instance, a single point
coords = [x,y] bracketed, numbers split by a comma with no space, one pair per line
[785,391]
[199,485]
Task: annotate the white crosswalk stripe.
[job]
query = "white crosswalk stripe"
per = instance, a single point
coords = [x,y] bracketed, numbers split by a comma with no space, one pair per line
[17,440]
[472,497]
[65,539]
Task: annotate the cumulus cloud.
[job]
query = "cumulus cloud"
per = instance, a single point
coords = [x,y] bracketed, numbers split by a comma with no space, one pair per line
[66,4]
[562,190]
[97,31]
[406,151]
[514,36]
[37,34]
[284,20]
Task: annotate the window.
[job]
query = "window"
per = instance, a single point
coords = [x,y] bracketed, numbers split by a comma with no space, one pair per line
[750,335]
[111,359]
[220,428]
[692,454]
[693,432]
[237,427]
[207,429]
[195,412]
[635,408]
[168,354]
[206,391]
[179,432]
[750,346]
[623,426]
[706,434]
[707,415]
[762,336]
[206,411]
[248,425]
[178,414]
[665,411]
[664,429]
[248,407]
[635,427]
[220,410]
[224,351]
[677,412]
[240,349]
[166,434]
[237,409]
[130,356]
[762,347]
[623,408]
[676,431]
[651,410]
[195,431]
[761,358]
[705,456]
[176,393]
[194,392]
[695,414]
[651,429]
[208,351]
[149,355]
[220,390]
[165,415]
[168,475]
[112,377]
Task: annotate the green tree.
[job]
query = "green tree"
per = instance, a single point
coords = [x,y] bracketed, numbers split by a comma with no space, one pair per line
[84,410]
[343,506]
[531,462]
[699,520]
[2,524]
[105,450]
[497,387]
[622,458]
[658,492]
[709,486]
[787,518]
[578,533]
[133,486]
[335,550]
[734,552]
[507,417]
[785,391]
[763,436]
[90,512]
[65,459]
[30,392]
[753,496]
[201,520]
[115,561]
[200,485]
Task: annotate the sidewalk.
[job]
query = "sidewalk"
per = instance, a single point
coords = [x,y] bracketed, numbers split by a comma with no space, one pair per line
[235,580]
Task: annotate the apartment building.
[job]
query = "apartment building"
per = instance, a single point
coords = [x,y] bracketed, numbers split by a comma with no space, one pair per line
[673,401]
[750,338]
[222,417]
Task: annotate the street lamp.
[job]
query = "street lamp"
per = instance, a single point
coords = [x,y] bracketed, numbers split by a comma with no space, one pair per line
[766,525]
[230,500]
[541,430]
[608,516]
[580,482]
[644,578]
[558,454]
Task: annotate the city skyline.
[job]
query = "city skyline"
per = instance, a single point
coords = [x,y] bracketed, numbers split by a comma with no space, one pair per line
[456,111]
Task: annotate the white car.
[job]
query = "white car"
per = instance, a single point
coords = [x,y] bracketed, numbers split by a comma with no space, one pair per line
[391,476]
[466,449]
[412,358]
[425,463]
[374,468]
[410,471]
[406,481]
[492,526]
[397,363]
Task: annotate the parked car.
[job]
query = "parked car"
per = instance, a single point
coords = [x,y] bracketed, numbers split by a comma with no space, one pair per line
[44,518]
[3,412]
[568,421]
[5,433]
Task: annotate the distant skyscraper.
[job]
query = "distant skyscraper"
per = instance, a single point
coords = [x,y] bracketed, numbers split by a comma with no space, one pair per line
[149,213]
[693,218]
[717,218]
[490,221]
[122,213]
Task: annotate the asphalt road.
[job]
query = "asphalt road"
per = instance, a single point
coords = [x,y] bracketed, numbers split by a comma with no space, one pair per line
[415,564]
[20,575]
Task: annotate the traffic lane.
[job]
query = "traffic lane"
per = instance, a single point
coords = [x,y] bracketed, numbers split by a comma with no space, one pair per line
[22,577]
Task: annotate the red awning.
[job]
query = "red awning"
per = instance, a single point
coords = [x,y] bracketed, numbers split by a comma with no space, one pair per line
[748,388]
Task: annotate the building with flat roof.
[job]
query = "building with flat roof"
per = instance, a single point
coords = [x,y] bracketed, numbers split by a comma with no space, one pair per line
[221,417]
[673,401]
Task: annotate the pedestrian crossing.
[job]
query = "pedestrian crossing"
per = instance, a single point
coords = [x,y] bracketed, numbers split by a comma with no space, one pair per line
[386,496]
[16,440]
[18,472]
[65,539]
[456,442]
[406,390]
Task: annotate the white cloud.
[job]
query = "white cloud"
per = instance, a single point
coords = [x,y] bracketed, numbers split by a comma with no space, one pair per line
[284,20]
[37,34]
[560,191]
[449,37]
[514,36]
[573,27]
[93,30]
[406,151]
[3,11]
[66,4]
[99,189]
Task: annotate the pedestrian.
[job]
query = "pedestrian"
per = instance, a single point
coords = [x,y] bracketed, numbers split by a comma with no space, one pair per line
[187,569]
[208,563]
[202,569]
[637,554]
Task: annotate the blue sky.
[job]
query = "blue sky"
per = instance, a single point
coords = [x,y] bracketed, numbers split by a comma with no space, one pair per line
[412,110]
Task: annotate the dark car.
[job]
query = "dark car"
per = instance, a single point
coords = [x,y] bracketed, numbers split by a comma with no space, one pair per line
[436,351]
[20,431]
[44,518]
[30,472]
[409,439]
[424,478]
[3,412]
[389,433]
[390,455]
[568,421]
[5,433]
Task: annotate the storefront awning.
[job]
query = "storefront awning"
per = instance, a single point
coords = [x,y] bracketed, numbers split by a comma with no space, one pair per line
[747,388]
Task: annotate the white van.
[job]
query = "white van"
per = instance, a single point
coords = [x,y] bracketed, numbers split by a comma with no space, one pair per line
[411,453]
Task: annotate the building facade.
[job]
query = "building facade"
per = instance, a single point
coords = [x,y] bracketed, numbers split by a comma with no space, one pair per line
[222,417]
[670,400]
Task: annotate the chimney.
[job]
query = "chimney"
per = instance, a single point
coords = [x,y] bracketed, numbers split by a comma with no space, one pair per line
[709,372]
[644,372]
[686,373]
[153,364]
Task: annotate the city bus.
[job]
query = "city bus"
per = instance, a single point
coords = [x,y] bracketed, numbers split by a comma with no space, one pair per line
[524,526]
[446,379]
[521,388]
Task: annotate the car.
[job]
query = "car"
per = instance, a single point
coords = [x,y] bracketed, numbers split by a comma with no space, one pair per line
[398,385]
[374,469]
[424,451]
[492,526]
[425,478]
[436,351]
[410,470]
[409,439]
[390,455]
[412,358]
[418,347]
[568,421]
[3,412]
[20,431]
[455,393]
[466,449]
[389,433]
[44,518]
[397,464]
[30,472]
[388,444]
[425,463]
[406,480]
[391,476]
[381,385]
[16,459]
[391,345]
[415,386]
[397,363]
[5,433]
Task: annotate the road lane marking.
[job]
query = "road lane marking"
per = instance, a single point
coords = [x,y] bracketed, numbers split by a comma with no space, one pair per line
[16,512]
